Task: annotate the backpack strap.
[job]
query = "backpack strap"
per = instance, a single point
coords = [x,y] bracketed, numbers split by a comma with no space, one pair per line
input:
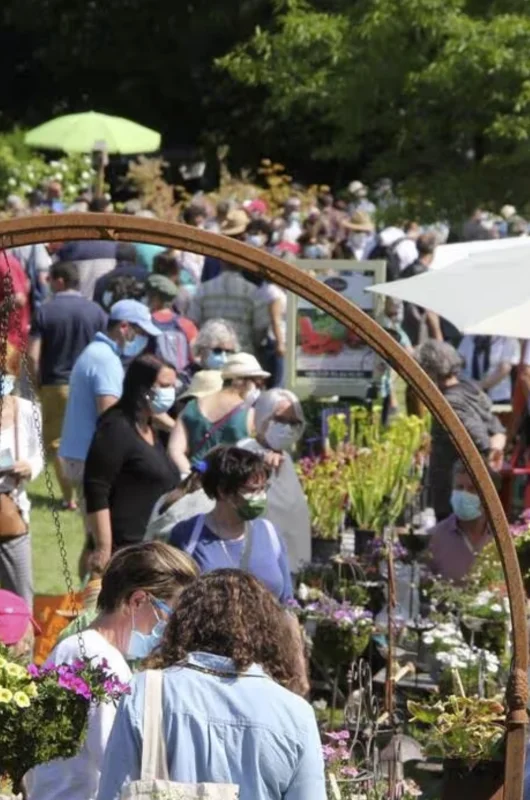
[154,755]
[195,535]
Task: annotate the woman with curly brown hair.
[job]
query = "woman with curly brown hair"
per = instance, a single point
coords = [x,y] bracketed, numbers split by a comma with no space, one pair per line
[230,664]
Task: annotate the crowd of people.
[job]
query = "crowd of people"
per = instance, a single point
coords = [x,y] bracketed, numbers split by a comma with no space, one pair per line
[160,377]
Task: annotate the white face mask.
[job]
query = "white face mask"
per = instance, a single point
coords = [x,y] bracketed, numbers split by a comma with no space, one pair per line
[280,436]
[252,395]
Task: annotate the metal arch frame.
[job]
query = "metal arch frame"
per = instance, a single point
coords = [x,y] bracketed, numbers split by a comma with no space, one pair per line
[115,227]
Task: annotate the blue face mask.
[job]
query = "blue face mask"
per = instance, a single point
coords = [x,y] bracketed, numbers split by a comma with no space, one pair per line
[162,399]
[466,505]
[135,346]
[215,360]
[7,384]
[142,644]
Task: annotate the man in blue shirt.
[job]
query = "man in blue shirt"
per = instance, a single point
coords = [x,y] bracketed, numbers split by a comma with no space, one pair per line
[96,385]
[61,330]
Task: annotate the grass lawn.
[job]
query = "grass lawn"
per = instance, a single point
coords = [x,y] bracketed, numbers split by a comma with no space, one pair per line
[47,566]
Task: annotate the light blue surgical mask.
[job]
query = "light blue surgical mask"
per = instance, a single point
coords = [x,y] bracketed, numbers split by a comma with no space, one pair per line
[135,346]
[142,644]
[466,505]
[216,360]
[256,239]
[162,399]
[7,385]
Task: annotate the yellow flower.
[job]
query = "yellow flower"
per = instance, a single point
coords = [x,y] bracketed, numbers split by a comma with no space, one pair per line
[3,662]
[21,699]
[15,671]
[5,695]
[31,690]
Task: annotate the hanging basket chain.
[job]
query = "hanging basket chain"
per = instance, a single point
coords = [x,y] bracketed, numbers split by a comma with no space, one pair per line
[10,305]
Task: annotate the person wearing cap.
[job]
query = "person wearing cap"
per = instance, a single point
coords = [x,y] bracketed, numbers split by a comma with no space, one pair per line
[161,294]
[221,418]
[96,383]
[17,626]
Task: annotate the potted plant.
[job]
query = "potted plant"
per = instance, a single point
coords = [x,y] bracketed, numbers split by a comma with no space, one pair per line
[44,711]
[468,734]
[341,632]
[323,487]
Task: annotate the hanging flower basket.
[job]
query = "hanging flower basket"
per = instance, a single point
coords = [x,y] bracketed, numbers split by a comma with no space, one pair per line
[44,711]
[340,632]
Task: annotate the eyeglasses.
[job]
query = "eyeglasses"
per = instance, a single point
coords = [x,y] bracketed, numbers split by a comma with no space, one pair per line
[292,423]
[220,350]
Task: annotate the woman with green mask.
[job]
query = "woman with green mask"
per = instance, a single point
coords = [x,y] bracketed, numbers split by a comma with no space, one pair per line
[231,535]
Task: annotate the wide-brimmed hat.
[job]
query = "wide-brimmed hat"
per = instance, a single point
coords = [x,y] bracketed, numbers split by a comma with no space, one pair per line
[243,365]
[204,383]
[360,221]
[236,222]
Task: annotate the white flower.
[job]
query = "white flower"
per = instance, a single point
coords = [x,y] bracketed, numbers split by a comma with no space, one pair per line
[496,608]
[303,592]
[12,182]
[320,705]
[85,176]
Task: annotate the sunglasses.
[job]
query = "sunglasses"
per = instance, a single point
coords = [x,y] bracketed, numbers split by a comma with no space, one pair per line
[220,350]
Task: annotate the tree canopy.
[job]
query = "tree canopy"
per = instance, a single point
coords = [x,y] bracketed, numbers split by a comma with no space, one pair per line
[435,93]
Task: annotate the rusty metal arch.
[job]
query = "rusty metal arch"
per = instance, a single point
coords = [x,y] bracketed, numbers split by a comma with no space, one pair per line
[63,227]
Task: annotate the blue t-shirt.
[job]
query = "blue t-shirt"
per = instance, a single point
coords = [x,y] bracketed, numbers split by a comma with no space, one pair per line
[267,560]
[66,324]
[98,371]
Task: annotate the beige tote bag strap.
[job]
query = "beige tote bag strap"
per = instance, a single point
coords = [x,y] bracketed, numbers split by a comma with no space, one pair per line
[154,756]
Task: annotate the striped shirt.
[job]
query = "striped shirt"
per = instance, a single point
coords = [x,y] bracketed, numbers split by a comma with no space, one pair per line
[229,297]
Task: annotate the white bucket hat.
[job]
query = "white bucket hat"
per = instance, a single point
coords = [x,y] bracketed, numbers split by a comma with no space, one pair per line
[243,365]
[204,383]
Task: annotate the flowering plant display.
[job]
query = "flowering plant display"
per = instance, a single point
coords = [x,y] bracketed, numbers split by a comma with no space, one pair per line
[467,728]
[44,710]
[325,493]
[20,177]
[450,653]
[341,633]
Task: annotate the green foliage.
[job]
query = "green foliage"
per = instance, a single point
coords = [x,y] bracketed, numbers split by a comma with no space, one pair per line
[22,171]
[467,728]
[435,92]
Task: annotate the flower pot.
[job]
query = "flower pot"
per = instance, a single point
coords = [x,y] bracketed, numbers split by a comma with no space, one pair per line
[362,538]
[481,781]
[322,550]
[338,647]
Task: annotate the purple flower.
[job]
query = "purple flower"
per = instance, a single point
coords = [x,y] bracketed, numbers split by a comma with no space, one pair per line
[33,670]
[349,772]
[76,685]
[338,736]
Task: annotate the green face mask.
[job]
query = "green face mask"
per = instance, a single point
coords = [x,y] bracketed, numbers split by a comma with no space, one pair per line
[252,506]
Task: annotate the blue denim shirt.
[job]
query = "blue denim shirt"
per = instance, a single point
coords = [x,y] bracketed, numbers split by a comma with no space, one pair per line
[248,731]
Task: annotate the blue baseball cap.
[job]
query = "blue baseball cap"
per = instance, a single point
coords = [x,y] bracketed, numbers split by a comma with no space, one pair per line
[136,314]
